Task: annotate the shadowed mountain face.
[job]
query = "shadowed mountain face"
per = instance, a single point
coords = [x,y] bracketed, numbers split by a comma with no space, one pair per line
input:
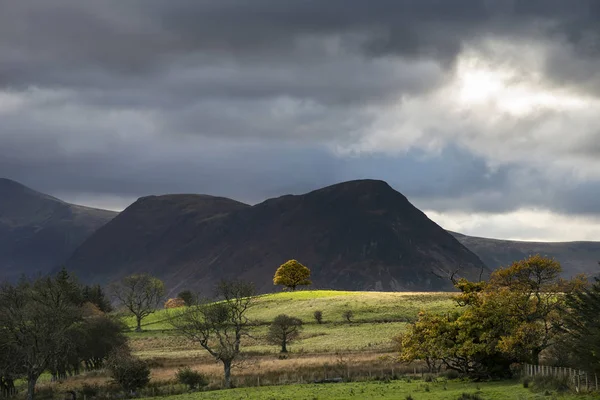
[574,257]
[38,232]
[360,235]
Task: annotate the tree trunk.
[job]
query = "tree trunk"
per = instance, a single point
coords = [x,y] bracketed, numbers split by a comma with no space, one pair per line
[284,346]
[31,382]
[227,370]
[535,356]
[139,323]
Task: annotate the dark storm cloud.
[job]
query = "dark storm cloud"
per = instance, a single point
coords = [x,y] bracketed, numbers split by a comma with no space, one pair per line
[246,98]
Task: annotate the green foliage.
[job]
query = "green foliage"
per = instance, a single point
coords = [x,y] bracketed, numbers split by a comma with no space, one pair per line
[193,379]
[583,327]
[543,383]
[96,296]
[283,330]
[189,297]
[35,320]
[393,390]
[128,371]
[291,275]
[510,319]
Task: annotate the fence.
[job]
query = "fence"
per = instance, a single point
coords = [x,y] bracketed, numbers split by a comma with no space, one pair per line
[578,380]
[7,392]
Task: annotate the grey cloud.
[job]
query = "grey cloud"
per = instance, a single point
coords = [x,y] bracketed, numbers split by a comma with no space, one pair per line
[245,98]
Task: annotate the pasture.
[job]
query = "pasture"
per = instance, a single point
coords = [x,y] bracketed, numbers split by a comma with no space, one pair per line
[378,316]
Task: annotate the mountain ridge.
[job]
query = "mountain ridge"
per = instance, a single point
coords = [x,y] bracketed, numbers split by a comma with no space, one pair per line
[353,235]
[39,231]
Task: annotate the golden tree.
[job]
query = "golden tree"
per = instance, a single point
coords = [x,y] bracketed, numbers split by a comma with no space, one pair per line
[292,274]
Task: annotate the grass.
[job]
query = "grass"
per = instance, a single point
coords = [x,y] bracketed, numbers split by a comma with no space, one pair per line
[398,389]
[378,316]
[366,306]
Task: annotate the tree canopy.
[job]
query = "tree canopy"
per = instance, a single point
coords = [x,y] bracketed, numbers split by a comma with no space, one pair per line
[218,327]
[511,318]
[283,330]
[140,294]
[291,275]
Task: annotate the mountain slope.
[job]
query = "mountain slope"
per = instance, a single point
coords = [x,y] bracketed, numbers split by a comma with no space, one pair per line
[575,257]
[38,232]
[354,235]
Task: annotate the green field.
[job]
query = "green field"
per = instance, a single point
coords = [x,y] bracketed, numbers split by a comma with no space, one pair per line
[397,390]
[378,316]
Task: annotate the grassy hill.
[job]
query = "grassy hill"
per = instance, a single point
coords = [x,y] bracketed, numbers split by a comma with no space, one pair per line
[378,316]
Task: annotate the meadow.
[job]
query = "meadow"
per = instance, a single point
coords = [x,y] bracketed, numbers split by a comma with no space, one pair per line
[399,389]
[361,352]
[377,318]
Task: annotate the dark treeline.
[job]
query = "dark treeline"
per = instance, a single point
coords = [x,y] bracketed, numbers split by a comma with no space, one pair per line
[55,325]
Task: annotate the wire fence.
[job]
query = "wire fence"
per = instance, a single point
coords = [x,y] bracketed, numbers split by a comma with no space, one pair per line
[578,380]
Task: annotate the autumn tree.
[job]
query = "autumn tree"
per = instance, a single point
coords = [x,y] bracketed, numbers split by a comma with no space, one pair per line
[283,330]
[291,275]
[218,326]
[140,294]
[511,318]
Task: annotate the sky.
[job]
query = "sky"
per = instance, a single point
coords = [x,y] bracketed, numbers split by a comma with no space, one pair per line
[485,114]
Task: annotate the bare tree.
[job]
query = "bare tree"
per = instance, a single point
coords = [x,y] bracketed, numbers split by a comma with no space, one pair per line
[140,294]
[218,327]
[283,330]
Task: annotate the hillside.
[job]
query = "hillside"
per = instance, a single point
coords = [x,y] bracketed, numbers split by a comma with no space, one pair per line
[575,257]
[378,317]
[38,232]
[358,235]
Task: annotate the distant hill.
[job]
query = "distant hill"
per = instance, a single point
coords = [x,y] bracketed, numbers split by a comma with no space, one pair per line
[575,257]
[38,232]
[358,235]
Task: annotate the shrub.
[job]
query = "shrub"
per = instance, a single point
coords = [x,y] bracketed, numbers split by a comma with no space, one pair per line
[193,379]
[451,374]
[348,314]
[88,390]
[469,396]
[128,371]
[318,316]
[409,397]
[544,383]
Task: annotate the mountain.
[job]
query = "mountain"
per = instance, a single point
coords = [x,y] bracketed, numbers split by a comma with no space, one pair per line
[360,235]
[38,232]
[574,257]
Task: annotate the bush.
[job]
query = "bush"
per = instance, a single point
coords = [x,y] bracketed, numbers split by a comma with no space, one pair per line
[544,383]
[193,379]
[451,374]
[128,371]
[348,314]
[318,316]
[88,390]
[469,396]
